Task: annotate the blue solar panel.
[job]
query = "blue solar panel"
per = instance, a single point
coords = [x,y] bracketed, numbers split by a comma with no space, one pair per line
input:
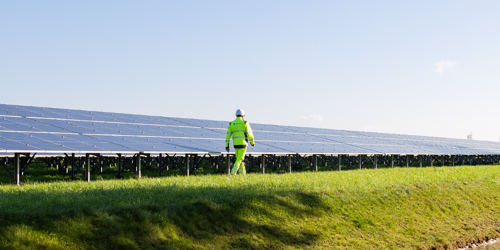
[52,129]
[30,141]
[5,113]
[207,123]
[6,144]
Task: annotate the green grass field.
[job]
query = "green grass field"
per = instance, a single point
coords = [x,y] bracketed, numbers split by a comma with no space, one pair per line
[400,208]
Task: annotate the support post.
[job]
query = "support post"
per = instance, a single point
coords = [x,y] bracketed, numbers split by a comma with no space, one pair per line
[289,159]
[315,163]
[187,164]
[452,160]
[359,161]
[119,165]
[138,165]
[339,162]
[442,161]
[101,164]
[407,161]
[263,164]
[420,161]
[159,164]
[375,162]
[72,166]
[431,160]
[87,167]
[17,168]
[217,161]
[228,164]
[66,164]
[392,161]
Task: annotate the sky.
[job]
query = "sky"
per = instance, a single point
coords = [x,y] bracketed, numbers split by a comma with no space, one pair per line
[409,67]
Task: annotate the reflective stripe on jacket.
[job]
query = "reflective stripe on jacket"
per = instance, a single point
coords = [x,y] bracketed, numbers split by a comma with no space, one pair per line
[241,132]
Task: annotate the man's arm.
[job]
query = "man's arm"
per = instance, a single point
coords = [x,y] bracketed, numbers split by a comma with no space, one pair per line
[249,134]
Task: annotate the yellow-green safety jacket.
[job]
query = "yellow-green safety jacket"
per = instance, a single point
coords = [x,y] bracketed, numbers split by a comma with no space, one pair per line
[241,132]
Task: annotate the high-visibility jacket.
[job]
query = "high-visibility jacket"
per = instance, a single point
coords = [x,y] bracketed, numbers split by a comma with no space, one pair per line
[241,132]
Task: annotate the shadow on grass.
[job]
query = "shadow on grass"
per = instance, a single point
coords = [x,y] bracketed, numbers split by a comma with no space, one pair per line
[254,222]
[53,175]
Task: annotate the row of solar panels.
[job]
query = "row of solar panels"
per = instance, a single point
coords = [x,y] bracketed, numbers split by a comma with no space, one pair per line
[51,130]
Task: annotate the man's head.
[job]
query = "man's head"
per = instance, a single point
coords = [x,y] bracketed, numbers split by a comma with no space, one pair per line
[240,113]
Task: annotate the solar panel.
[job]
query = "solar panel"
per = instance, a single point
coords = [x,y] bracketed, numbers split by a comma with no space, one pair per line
[43,129]
[6,145]
[5,114]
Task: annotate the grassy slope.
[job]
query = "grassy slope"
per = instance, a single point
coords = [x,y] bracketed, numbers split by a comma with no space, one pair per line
[378,209]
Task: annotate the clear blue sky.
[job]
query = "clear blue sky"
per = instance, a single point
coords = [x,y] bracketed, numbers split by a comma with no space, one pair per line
[411,67]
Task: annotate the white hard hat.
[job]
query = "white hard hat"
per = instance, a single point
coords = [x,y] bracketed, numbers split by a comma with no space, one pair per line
[240,112]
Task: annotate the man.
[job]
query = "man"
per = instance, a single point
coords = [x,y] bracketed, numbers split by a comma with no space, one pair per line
[241,132]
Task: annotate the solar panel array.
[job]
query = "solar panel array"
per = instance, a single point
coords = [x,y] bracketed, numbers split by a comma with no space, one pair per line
[52,130]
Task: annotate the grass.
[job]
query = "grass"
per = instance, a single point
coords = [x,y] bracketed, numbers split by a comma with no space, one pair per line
[400,208]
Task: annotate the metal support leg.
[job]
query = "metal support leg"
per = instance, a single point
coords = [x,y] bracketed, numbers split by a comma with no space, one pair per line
[315,163]
[17,168]
[187,165]
[375,162]
[452,160]
[228,164]
[420,161]
[101,164]
[442,161]
[289,158]
[73,166]
[119,163]
[87,167]
[160,167]
[431,160]
[407,161]
[392,161]
[138,165]
[135,162]
[339,159]
[263,164]
[273,161]
[66,164]
[359,161]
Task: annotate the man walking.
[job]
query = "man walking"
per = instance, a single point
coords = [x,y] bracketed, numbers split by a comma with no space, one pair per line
[241,132]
